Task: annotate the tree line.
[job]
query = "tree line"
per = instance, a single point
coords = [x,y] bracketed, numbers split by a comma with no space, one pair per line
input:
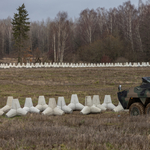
[99,35]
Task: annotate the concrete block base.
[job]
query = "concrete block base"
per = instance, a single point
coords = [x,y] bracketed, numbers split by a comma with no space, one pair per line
[62,105]
[8,105]
[118,108]
[41,103]
[74,104]
[16,109]
[52,108]
[89,107]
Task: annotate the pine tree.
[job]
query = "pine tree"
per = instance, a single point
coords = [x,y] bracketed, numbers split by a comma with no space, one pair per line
[21,26]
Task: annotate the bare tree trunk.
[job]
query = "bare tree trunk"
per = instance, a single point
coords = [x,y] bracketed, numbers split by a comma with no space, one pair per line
[54,38]
[9,34]
[139,38]
[64,38]
[3,37]
[111,24]
[62,52]
[59,49]
[130,30]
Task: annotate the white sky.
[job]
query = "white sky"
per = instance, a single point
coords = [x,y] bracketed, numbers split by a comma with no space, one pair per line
[42,9]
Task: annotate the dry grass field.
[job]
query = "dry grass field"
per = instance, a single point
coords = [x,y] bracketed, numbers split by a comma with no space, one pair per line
[107,130]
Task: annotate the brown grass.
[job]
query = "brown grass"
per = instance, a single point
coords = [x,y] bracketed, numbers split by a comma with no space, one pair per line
[107,130]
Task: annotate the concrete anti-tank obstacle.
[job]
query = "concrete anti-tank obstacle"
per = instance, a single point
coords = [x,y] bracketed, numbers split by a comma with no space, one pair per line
[108,103]
[74,104]
[1,112]
[36,65]
[8,105]
[1,66]
[16,109]
[32,65]
[89,107]
[28,106]
[50,64]
[118,108]
[23,65]
[41,103]
[18,65]
[52,108]
[6,66]
[62,105]
[10,65]
[96,102]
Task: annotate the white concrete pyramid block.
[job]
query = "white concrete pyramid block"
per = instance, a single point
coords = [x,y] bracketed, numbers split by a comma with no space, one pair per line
[50,64]
[32,65]
[52,108]
[86,65]
[18,65]
[14,65]
[130,64]
[4,66]
[23,65]
[28,106]
[28,65]
[10,65]
[118,108]
[41,64]
[89,107]
[1,66]
[41,103]
[54,64]
[15,109]
[7,66]
[74,104]
[89,65]
[98,65]
[96,102]
[108,103]
[62,105]
[147,64]
[8,105]
[36,65]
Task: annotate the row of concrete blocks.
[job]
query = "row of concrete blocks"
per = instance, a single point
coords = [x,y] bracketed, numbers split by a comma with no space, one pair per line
[12,107]
[73,65]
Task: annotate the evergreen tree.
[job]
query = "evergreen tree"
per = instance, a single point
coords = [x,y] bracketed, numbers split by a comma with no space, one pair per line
[21,26]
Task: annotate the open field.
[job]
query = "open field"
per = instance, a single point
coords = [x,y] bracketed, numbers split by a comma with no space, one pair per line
[107,130]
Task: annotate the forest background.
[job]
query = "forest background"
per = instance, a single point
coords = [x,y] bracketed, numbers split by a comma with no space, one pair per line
[118,34]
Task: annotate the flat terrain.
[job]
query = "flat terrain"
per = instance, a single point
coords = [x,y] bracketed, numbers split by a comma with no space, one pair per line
[107,130]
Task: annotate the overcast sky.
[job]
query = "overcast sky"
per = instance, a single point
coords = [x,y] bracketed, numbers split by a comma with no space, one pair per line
[39,10]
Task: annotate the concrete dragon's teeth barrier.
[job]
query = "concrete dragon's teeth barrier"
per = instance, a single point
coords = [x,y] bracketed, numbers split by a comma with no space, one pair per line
[96,102]
[62,105]
[1,112]
[52,108]
[41,103]
[8,105]
[89,107]
[118,108]
[73,65]
[28,106]
[16,109]
[74,103]
[108,103]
